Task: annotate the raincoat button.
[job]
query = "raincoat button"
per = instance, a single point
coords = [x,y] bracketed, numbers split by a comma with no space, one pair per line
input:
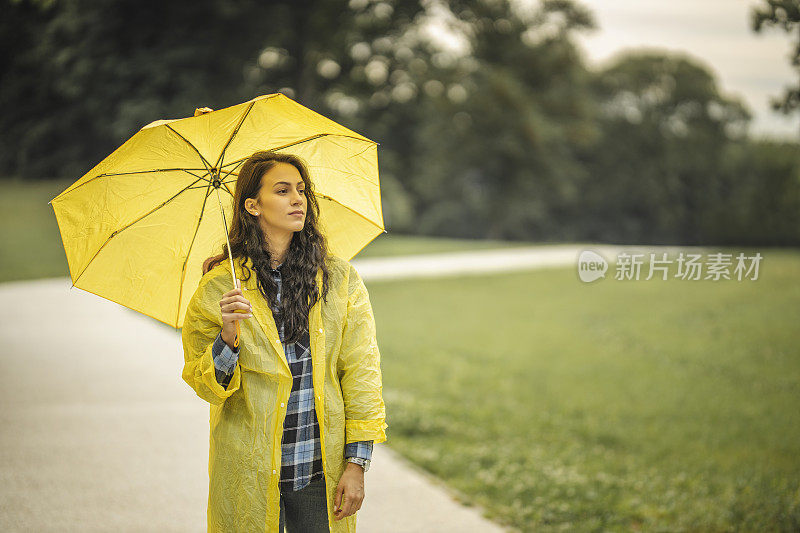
[320,330]
[274,471]
[281,404]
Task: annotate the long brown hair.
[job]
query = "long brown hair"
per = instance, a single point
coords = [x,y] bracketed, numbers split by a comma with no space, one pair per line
[307,249]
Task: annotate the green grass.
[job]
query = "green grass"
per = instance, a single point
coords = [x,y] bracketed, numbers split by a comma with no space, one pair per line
[31,244]
[611,406]
[564,406]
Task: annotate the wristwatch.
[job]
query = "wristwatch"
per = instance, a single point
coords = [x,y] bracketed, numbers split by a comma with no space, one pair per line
[359,461]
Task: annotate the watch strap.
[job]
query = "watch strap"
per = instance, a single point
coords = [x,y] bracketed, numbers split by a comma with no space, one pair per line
[360,461]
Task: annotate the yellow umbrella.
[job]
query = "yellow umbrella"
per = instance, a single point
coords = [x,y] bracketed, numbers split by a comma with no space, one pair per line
[138,226]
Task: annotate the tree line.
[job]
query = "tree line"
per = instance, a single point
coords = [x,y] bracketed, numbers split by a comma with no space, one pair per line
[517,139]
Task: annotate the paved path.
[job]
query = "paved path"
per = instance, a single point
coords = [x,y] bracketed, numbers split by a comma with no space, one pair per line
[496,260]
[101,434]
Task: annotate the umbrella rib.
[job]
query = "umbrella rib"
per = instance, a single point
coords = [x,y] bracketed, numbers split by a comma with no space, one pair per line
[117,231]
[230,171]
[233,134]
[361,152]
[198,177]
[143,171]
[237,162]
[208,193]
[189,252]
[349,209]
[107,174]
[225,183]
[307,139]
[203,159]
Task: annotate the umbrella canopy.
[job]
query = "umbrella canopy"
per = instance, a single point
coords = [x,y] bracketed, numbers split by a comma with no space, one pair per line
[138,226]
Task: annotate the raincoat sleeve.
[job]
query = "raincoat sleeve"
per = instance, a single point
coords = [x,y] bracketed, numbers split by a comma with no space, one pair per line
[359,368]
[202,324]
[224,360]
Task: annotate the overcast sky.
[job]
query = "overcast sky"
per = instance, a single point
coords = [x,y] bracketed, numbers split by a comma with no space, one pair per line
[715,32]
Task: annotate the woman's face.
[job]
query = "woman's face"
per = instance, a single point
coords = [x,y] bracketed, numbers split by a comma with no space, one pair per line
[281,195]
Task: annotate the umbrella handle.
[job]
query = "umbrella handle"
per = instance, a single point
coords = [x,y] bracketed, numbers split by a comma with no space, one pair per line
[236,339]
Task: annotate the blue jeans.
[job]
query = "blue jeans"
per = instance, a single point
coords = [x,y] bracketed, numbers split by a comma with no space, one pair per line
[305,510]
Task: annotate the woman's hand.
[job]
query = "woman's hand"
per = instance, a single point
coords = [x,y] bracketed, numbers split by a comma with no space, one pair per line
[234,307]
[351,489]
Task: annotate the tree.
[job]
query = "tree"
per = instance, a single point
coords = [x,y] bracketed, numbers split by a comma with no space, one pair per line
[360,63]
[90,73]
[665,129]
[496,156]
[784,14]
[79,77]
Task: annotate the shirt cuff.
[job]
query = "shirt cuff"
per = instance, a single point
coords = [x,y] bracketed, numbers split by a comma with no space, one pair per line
[225,359]
[362,449]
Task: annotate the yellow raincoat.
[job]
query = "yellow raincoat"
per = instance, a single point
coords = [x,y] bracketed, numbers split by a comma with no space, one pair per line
[246,421]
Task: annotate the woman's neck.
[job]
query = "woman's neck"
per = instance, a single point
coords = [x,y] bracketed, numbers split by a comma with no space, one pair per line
[278,247]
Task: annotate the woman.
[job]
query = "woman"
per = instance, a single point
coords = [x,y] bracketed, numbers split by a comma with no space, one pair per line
[296,407]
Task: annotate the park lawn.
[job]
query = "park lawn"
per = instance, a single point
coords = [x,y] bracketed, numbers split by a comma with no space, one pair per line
[32,248]
[614,406]
[29,238]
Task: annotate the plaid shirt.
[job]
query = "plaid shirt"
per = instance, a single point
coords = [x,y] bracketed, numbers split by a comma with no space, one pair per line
[301,452]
